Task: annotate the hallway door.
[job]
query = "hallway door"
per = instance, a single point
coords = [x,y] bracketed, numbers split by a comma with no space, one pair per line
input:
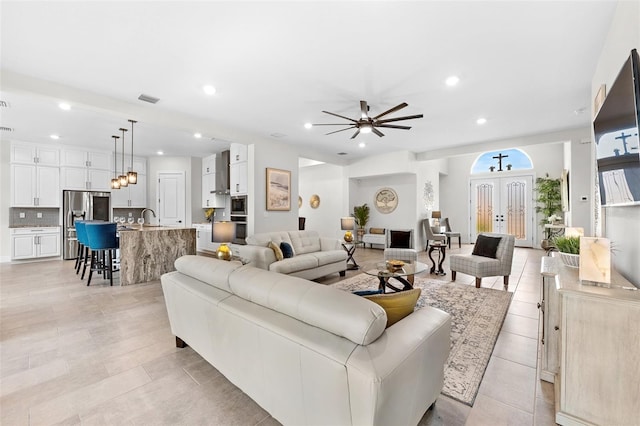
[171,199]
[503,205]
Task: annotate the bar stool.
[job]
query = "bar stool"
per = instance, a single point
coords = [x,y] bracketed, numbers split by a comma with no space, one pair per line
[103,244]
[84,255]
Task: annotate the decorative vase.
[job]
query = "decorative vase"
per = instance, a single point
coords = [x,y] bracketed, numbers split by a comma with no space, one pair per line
[360,233]
[348,236]
[571,260]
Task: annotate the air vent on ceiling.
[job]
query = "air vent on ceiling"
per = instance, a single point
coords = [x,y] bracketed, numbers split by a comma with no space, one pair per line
[4,104]
[342,153]
[5,129]
[148,98]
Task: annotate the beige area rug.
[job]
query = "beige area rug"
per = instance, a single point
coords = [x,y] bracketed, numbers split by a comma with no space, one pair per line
[476,318]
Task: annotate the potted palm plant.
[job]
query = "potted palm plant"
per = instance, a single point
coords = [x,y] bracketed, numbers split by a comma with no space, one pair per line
[361,215]
[569,248]
[549,201]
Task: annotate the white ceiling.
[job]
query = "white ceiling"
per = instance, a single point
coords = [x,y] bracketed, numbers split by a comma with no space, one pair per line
[524,65]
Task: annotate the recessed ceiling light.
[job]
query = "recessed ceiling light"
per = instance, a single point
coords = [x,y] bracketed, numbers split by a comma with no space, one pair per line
[64,106]
[308,125]
[362,144]
[197,135]
[481,120]
[160,153]
[452,80]
[56,137]
[209,89]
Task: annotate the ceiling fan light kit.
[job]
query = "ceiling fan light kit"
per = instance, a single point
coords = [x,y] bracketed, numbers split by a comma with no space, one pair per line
[368,124]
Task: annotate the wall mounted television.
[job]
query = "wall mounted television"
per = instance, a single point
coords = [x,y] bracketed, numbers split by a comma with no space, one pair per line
[616,135]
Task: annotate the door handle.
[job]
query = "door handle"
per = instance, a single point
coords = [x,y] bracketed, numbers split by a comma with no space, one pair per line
[179,221]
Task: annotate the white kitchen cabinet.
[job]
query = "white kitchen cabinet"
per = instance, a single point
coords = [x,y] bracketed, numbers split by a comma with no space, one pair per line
[30,243]
[35,186]
[203,238]
[139,164]
[209,165]
[131,195]
[43,155]
[209,197]
[86,179]
[238,153]
[82,158]
[238,178]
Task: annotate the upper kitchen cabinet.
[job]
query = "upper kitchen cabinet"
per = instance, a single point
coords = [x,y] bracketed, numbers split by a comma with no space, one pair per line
[81,158]
[35,186]
[238,169]
[43,155]
[86,170]
[209,164]
[139,164]
[238,153]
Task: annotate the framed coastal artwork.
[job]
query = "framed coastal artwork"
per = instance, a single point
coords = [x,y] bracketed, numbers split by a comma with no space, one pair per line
[278,189]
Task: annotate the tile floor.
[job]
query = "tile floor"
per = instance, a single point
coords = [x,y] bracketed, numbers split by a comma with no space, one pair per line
[72,355]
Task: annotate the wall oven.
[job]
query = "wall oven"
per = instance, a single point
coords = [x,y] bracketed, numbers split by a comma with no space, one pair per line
[239,205]
[241,229]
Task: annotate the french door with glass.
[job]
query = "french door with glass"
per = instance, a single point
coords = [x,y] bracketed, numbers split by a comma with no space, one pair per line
[503,205]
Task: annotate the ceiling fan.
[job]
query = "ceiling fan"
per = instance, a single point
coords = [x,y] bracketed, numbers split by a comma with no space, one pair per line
[366,124]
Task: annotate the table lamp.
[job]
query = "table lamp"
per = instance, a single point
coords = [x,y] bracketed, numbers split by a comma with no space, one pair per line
[223,233]
[347,224]
[436,215]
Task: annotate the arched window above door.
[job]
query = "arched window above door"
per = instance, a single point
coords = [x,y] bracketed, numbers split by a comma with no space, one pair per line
[501,160]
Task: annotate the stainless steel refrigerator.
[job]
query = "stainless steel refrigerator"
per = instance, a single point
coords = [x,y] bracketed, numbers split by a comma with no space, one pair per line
[81,205]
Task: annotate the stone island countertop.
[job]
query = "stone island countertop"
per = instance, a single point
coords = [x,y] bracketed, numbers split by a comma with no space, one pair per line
[148,252]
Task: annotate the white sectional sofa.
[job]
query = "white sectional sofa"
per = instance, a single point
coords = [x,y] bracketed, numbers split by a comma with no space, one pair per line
[314,256]
[307,353]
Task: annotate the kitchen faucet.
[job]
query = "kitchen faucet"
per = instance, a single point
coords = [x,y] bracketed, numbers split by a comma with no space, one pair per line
[144,210]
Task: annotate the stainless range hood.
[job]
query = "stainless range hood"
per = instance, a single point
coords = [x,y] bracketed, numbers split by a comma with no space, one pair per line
[223,183]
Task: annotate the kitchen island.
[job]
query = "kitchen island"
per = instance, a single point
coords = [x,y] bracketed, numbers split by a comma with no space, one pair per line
[150,251]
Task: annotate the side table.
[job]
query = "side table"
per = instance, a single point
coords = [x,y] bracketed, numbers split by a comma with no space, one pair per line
[442,253]
[350,248]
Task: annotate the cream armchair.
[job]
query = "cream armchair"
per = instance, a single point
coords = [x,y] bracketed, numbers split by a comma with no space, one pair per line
[481,266]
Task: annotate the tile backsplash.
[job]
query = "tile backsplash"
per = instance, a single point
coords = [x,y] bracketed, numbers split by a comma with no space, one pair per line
[49,216]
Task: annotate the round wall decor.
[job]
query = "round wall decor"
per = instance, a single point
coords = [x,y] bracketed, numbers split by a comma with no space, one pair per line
[385,200]
[314,202]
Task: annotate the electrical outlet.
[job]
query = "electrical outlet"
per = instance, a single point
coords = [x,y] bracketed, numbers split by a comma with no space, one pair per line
[39,215]
[130,214]
[22,215]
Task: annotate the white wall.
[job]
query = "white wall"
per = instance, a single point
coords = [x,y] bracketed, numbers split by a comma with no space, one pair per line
[328,182]
[263,155]
[172,164]
[622,224]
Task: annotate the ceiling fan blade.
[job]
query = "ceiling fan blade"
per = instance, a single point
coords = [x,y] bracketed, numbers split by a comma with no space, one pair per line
[341,130]
[341,116]
[408,117]
[394,109]
[377,132]
[356,133]
[364,109]
[392,126]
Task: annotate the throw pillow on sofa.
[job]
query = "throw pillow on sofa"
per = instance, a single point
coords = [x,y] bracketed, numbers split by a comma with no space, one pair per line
[376,231]
[397,305]
[486,246]
[276,250]
[287,250]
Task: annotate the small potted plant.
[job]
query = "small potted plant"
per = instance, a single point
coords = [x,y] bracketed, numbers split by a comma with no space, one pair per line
[361,214]
[569,248]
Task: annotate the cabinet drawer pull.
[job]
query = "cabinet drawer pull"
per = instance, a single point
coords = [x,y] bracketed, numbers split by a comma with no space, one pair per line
[556,328]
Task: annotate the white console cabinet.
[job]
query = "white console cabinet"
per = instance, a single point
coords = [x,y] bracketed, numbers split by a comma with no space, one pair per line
[598,352]
[30,243]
